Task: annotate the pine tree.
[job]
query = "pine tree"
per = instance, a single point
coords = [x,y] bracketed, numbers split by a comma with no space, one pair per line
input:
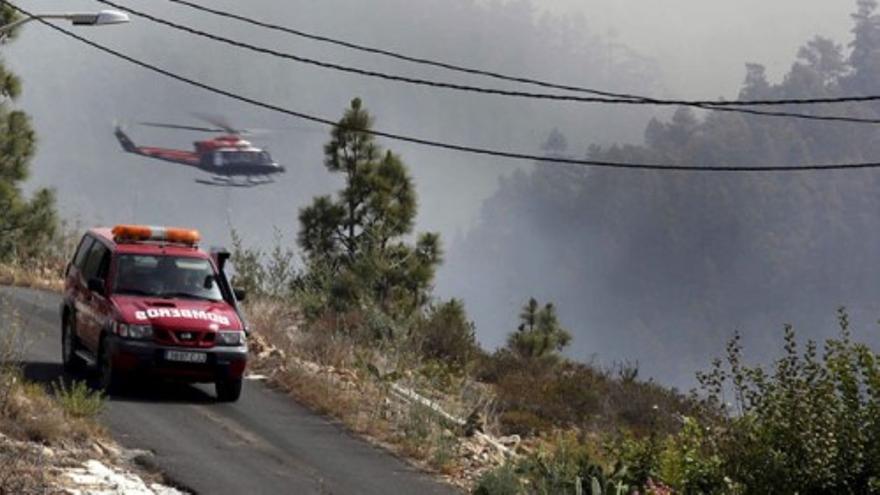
[25,226]
[355,241]
[865,56]
[539,334]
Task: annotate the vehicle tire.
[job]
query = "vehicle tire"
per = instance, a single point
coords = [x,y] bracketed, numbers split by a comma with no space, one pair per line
[109,379]
[69,345]
[228,390]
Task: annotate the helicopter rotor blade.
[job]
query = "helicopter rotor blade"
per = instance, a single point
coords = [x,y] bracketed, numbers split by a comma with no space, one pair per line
[219,121]
[182,127]
[256,132]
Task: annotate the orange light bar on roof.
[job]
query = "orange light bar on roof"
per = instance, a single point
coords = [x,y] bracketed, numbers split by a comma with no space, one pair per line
[135,233]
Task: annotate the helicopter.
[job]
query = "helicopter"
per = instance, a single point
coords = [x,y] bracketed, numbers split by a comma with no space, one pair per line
[232,161]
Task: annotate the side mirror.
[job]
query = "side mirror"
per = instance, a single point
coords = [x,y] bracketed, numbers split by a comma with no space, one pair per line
[221,256]
[240,294]
[96,285]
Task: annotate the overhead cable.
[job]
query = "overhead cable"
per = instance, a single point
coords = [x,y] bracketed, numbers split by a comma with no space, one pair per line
[627,100]
[498,75]
[452,146]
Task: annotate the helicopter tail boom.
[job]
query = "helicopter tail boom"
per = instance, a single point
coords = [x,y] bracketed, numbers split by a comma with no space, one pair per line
[126,142]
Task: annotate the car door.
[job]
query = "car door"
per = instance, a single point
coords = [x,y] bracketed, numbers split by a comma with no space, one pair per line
[89,304]
[75,286]
[101,304]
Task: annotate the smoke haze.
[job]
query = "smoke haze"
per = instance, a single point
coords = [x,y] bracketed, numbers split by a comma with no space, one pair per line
[681,48]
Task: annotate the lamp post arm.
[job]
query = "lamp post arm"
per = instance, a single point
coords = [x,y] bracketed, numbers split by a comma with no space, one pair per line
[12,25]
[23,20]
[103,17]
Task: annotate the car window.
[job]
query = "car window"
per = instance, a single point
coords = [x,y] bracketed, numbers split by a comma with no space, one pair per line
[166,276]
[97,262]
[80,257]
[104,265]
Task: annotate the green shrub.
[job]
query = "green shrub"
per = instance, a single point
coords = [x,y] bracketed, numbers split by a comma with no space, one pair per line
[569,465]
[247,262]
[523,423]
[444,452]
[417,424]
[442,376]
[560,468]
[809,425]
[491,368]
[500,481]
[539,334]
[555,396]
[536,393]
[78,400]
[640,455]
[446,335]
[689,462]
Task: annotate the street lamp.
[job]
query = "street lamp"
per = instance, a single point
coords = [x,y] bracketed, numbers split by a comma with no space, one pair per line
[102,18]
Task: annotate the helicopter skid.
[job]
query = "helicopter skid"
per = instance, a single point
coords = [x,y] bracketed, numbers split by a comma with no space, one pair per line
[230,181]
[260,181]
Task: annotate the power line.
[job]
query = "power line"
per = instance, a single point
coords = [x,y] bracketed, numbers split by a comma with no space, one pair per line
[359,71]
[475,71]
[401,56]
[716,106]
[443,145]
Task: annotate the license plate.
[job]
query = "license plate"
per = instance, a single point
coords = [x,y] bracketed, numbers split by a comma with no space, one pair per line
[186,357]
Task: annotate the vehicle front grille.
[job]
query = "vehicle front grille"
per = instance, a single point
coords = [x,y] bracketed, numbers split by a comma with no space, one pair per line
[184,338]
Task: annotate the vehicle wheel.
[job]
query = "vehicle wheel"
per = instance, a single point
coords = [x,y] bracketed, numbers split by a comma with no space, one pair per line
[69,345]
[228,390]
[108,378]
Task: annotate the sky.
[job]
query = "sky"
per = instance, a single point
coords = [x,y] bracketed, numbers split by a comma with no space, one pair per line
[74,95]
[673,48]
[702,44]
[670,48]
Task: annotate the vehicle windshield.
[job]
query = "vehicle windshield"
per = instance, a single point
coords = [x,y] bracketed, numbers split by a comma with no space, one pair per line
[166,276]
[247,157]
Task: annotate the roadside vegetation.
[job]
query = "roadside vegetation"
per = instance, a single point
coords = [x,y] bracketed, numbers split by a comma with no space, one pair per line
[42,429]
[351,327]
[32,248]
[353,330]
[806,424]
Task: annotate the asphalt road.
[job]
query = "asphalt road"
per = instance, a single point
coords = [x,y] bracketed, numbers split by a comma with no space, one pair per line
[264,443]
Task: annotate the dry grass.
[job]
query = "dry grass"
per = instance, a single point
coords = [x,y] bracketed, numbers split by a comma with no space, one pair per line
[27,411]
[333,374]
[36,277]
[411,431]
[30,414]
[34,425]
[360,409]
[47,271]
[337,374]
[22,469]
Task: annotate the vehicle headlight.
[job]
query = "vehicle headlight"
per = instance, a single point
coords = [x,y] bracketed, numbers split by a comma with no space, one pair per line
[230,338]
[137,332]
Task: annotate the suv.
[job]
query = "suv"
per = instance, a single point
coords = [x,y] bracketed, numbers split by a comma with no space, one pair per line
[147,300]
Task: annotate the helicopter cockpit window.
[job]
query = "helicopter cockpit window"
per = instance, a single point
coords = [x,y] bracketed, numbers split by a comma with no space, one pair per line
[246,157]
